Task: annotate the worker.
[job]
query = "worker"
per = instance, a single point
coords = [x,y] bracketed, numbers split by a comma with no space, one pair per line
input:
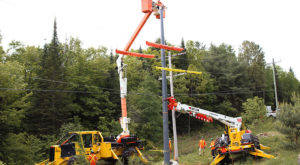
[202,145]
[212,147]
[170,144]
[93,158]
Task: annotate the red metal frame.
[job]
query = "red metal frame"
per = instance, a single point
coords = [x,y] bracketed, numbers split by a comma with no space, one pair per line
[134,54]
[137,31]
[160,46]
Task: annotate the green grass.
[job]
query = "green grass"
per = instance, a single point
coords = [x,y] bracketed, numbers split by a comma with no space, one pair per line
[265,130]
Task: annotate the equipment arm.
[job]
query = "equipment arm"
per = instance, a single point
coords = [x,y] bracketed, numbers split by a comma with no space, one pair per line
[232,122]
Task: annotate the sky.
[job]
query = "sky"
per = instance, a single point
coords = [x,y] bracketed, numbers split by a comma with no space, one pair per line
[273,24]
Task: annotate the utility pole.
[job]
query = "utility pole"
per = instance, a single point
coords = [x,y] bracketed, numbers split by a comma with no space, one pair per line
[173,112]
[275,87]
[164,93]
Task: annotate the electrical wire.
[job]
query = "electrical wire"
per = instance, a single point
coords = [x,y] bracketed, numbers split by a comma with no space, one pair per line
[74,84]
[227,93]
[244,90]
[135,93]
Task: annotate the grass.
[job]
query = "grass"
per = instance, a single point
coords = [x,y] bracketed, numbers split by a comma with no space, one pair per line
[265,130]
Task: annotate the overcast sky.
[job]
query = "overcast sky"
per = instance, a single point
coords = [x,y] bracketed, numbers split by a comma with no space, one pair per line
[273,24]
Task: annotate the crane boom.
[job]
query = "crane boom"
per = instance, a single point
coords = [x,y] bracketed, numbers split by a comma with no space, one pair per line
[234,140]
[232,122]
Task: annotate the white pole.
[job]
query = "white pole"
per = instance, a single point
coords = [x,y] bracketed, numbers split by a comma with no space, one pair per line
[173,112]
[275,88]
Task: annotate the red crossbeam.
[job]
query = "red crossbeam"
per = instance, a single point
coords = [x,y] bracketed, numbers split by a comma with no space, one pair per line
[134,54]
[160,46]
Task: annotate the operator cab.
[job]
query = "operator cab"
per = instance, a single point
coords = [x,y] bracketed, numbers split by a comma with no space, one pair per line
[247,138]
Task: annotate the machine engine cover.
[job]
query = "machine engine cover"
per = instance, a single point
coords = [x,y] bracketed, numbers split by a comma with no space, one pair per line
[67,150]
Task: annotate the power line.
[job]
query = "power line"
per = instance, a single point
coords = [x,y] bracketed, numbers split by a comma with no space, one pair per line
[70,91]
[227,93]
[56,81]
[117,91]
[135,93]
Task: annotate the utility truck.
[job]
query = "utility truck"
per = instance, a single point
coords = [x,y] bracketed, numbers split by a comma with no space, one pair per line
[76,145]
[270,112]
[235,138]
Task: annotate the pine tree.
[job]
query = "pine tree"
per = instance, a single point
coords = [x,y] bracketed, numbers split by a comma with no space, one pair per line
[144,109]
[289,117]
[181,61]
[253,55]
[113,83]
[231,76]
[182,44]
[49,103]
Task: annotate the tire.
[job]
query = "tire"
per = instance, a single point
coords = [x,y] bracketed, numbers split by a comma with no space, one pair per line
[217,143]
[71,161]
[217,146]
[111,162]
[126,154]
[256,142]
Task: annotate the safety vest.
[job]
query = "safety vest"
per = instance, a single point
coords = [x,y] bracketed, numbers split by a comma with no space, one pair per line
[202,143]
[93,159]
[212,145]
[170,145]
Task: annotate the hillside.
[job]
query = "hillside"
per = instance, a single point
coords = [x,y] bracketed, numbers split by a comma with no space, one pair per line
[265,130]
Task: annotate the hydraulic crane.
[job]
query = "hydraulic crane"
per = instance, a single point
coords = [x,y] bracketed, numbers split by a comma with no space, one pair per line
[234,140]
[148,7]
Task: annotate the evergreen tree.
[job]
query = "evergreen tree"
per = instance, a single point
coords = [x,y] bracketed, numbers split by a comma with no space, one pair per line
[113,83]
[289,117]
[288,84]
[182,61]
[49,103]
[90,76]
[182,45]
[144,109]
[269,90]
[252,55]
[13,103]
[2,53]
[231,76]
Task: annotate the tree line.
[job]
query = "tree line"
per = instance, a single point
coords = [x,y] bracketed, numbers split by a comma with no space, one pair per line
[45,91]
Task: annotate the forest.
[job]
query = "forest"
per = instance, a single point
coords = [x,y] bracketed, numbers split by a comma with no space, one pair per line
[47,91]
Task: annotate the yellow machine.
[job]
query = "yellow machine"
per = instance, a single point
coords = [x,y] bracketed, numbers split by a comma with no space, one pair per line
[238,141]
[234,140]
[74,144]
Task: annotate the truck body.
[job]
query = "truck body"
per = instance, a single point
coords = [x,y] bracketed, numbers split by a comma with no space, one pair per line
[235,138]
[75,144]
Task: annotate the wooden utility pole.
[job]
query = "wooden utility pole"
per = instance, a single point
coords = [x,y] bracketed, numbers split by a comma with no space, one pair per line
[173,112]
[275,87]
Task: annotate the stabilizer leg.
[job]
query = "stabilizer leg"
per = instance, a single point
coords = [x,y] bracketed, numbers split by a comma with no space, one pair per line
[260,153]
[218,159]
[143,159]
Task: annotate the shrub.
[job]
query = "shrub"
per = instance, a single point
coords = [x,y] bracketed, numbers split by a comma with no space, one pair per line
[289,119]
[254,109]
